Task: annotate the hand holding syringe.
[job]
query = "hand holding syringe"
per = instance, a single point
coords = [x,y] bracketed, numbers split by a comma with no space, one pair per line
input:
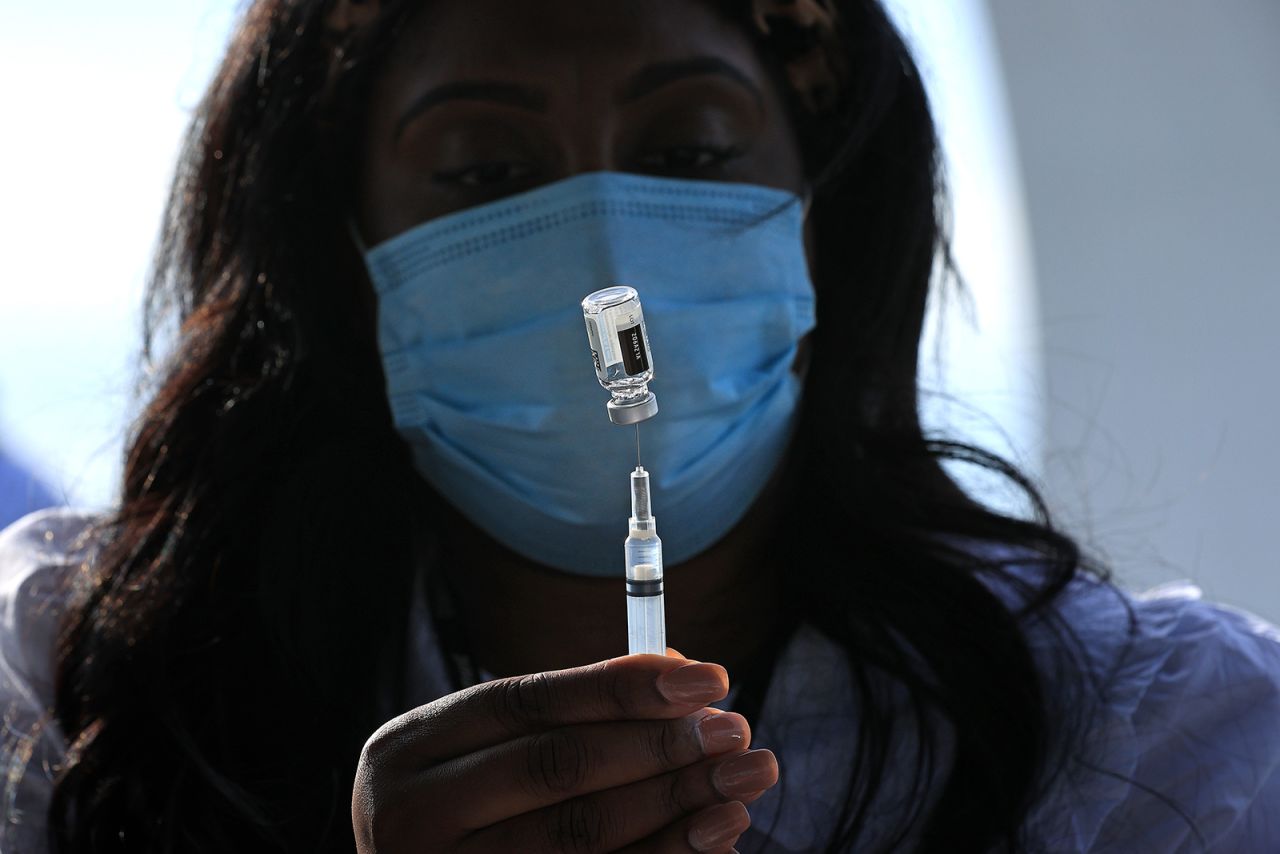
[620,349]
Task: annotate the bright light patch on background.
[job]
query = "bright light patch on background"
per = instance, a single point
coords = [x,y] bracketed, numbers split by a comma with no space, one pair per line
[96,98]
[981,373]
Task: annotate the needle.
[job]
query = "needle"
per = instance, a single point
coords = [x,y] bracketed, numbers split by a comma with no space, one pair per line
[637,444]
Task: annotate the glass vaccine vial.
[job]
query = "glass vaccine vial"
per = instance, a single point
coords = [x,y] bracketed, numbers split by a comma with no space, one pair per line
[620,350]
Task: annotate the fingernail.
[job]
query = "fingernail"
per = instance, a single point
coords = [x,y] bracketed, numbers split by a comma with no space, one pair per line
[694,683]
[718,826]
[745,774]
[721,733]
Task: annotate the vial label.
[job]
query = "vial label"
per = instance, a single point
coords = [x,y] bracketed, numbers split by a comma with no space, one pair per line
[593,339]
[604,341]
[634,357]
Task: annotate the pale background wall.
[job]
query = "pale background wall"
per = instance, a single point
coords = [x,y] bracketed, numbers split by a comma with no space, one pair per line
[1149,135]
[95,99]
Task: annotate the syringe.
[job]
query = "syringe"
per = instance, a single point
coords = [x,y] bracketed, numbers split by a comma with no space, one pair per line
[646,615]
[620,349]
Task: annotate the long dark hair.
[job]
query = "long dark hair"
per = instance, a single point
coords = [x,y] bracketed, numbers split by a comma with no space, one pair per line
[242,634]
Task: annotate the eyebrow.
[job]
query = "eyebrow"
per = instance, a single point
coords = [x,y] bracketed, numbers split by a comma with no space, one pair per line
[644,82]
[662,74]
[511,94]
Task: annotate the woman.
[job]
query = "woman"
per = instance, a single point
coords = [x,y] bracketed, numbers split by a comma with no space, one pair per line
[361,563]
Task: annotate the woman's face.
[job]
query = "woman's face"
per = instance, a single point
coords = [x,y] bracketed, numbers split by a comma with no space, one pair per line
[485,98]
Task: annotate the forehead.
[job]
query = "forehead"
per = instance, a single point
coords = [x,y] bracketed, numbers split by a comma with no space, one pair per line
[565,38]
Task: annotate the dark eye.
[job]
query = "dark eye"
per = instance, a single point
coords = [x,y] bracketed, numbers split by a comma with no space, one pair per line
[483,174]
[685,157]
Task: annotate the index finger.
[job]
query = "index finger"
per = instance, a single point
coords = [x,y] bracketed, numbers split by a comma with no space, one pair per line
[630,687]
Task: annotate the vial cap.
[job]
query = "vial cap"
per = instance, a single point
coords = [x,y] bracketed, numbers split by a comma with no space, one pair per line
[633,412]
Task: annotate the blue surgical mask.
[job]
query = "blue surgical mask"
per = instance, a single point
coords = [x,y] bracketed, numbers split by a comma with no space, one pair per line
[491,382]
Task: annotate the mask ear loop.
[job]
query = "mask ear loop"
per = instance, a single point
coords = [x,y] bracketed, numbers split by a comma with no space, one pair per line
[354,231]
[806,347]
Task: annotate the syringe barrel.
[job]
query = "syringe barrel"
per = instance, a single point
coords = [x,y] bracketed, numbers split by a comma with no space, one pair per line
[646,613]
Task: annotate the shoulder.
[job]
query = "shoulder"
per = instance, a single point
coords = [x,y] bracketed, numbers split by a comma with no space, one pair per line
[1180,749]
[45,537]
[1183,750]
[38,555]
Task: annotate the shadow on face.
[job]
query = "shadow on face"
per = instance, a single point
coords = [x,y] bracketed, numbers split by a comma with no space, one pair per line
[483,99]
